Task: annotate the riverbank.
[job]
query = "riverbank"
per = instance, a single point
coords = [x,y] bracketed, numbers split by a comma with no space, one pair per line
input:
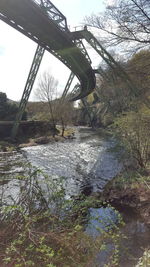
[46,139]
[9,146]
[130,190]
[6,146]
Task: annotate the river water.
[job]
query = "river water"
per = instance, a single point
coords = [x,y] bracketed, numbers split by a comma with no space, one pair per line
[87,163]
[84,161]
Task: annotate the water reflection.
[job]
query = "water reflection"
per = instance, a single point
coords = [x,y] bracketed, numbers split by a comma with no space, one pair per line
[101,219]
[135,235]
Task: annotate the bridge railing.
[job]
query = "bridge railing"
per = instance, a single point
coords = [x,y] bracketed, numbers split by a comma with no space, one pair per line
[53,13]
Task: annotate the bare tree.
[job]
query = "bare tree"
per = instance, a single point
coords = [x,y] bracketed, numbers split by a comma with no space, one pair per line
[66,113]
[124,21]
[59,111]
[47,92]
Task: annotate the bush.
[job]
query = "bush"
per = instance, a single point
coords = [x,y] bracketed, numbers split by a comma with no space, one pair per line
[134,130]
[40,227]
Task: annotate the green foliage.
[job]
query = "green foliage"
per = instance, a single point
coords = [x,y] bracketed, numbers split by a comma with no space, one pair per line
[43,228]
[8,110]
[134,130]
[130,179]
[144,261]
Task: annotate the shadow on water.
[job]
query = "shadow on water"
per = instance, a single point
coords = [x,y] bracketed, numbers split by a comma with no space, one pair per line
[135,235]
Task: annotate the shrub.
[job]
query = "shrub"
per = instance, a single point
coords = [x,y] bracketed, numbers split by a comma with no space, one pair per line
[40,227]
[134,130]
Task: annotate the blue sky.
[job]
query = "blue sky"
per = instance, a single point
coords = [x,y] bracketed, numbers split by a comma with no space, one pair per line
[17,51]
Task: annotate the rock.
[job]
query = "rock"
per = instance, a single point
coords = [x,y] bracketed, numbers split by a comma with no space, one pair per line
[27,144]
[42,140]
[58,138]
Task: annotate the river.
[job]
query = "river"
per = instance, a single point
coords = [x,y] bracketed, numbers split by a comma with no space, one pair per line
[87,163]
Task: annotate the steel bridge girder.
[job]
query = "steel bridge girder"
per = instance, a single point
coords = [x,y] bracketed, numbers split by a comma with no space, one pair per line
[106,56]
[51,10]
[28,88]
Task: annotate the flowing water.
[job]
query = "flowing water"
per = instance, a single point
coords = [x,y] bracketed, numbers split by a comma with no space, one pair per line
[84,161]
[87,164]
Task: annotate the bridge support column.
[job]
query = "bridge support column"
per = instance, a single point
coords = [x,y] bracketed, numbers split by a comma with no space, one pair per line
[85,104]
[28,88]
[68,84]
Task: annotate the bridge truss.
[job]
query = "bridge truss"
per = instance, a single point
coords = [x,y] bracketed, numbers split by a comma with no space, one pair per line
[78,36]
[28,87]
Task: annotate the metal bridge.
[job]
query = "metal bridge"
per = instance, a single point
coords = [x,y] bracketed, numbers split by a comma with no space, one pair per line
[42,22]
